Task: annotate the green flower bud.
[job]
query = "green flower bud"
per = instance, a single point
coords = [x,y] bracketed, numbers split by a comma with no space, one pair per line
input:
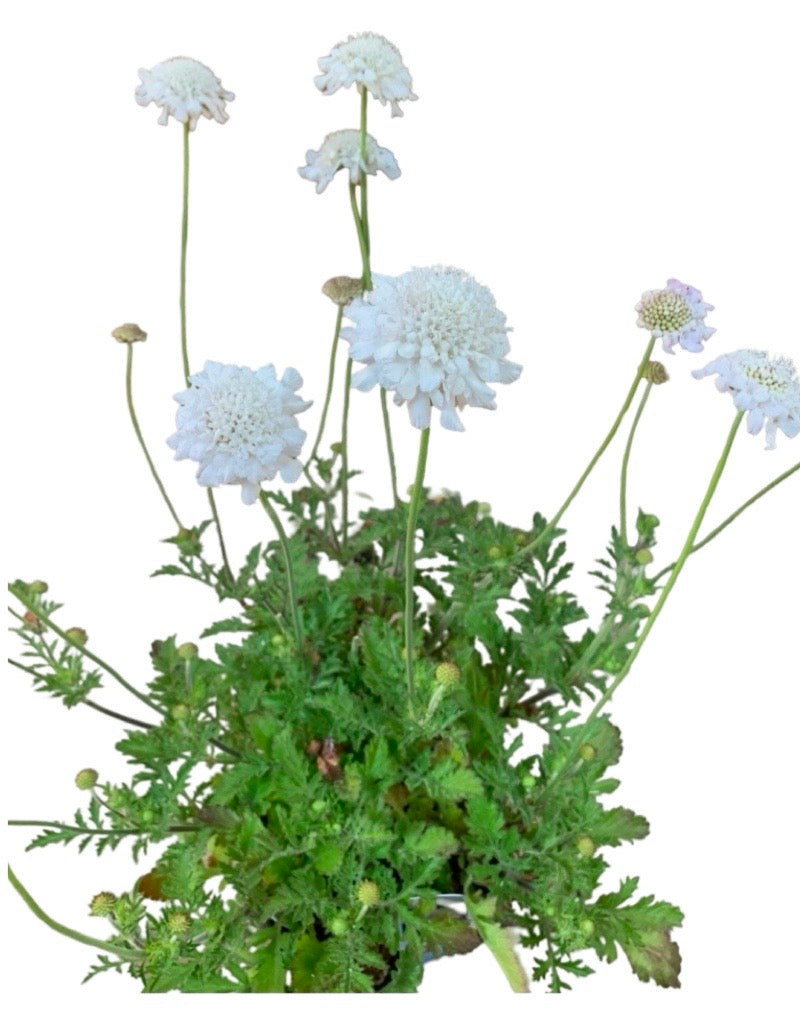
[102,905]
[38,587]
[367,893]
[86,778]
[447,673]
[587,927]
[338,926]
[188,651]
[77,636]
[644,556]
[188,541]
[655,372]
[585,846]
[180,712]
[178,922]
[587,751]
[494,552]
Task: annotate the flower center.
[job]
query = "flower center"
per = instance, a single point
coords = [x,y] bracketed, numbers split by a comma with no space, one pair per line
[665,311]
[241,421]
[768,375]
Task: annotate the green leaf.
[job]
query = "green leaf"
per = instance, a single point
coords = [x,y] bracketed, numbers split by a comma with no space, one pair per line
[327,858]
[499,940]
[485,820]
[618,825]
[270,975]
[458,784]
[431,841]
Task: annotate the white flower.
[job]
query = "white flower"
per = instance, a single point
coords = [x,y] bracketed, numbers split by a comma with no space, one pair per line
[184,88]
[343,150]
[675,314]
[240,425]
[434,336]
[369,60]
[768,389]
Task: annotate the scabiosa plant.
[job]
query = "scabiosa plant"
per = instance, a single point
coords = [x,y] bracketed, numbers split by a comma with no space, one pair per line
[676,314]
[767,389]
[342,150]
[240,425]
[184,89]
[317,794]
[435,337]
[371,62]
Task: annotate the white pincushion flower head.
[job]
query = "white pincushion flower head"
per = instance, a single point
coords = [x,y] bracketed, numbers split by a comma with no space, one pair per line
[342,149]
[240,425]
[675,314]
[371,61]
[434,337]
[184,88]
[767,389]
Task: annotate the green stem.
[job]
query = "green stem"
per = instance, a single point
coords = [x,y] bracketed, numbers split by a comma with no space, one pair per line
[140,438]
[529,548]
[85,652]
[413,511]
[623,481]
[223,551]
[99,831]
[362,238]
[290,581]
[184,240]
[329,390]
[362,140]
[651,619]
[87,940]
[389,446]
[726,522]
[345,482]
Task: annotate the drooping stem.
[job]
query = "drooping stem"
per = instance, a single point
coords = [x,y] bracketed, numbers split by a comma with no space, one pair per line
[345,468]
[411,526]
[140,438]
[665,592]
[329,389]
[734,515]
[287,557]
[623,479]
[87,940]
[85,652]
[548,530]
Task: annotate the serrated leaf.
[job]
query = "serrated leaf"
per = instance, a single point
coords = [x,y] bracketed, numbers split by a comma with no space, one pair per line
[485,820]
[458,784]
[618,825]
[448,933]
[430,841]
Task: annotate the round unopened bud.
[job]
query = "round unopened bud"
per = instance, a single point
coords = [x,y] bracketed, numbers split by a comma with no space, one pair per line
[342,290]
[367,893]
[484,508]
[78,636]
[338,926]
[178,922]
[644,556]
[188,541]
[32,622]
[587,927]
[585,846]
[188,651]
[447,673]
[86,778]
[587,751]
[38,587]
[128,333]
[102,904]
[655,372]
[494,552]
[180,712]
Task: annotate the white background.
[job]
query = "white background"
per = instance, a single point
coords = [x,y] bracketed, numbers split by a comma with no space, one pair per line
[569,157]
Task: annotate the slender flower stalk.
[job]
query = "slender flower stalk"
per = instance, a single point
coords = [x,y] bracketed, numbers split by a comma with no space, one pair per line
[665,592]
[348,373]
[623,480]
[734,515]
[363,186]
[21,597]
[184,339]
[548,530]
[329,389]
[87,940]
[411,525]
[140,438]
[290,581]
